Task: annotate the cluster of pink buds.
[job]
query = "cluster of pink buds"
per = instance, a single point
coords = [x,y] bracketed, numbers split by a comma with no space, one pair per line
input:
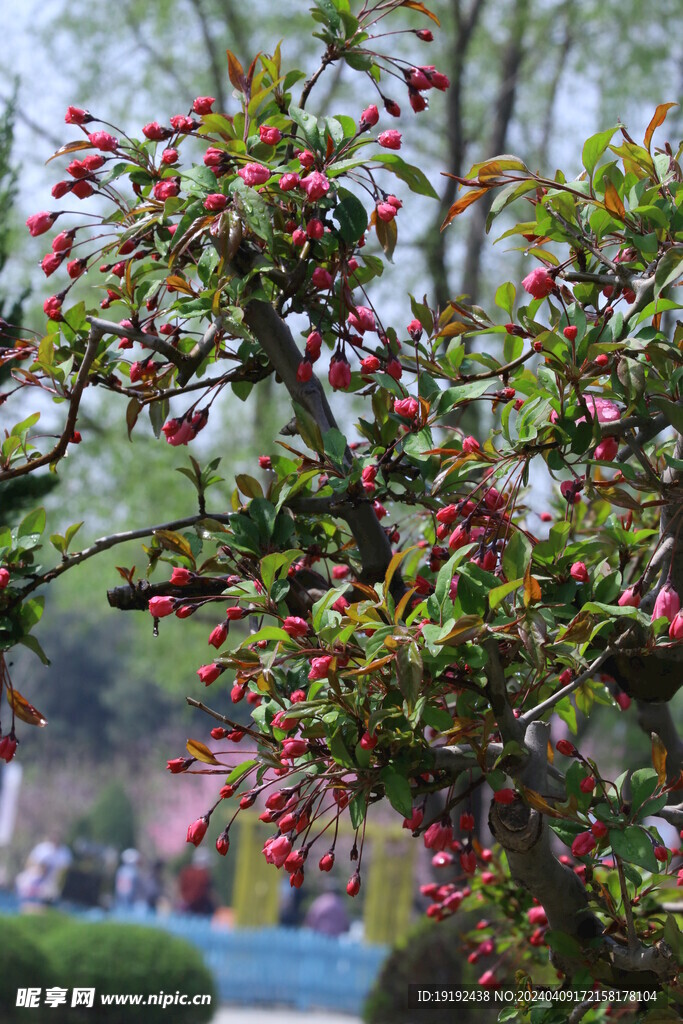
[183,430]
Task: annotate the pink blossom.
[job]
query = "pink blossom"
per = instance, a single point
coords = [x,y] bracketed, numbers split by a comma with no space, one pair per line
[166,189]
[339,373]
[289,181]
[76,115]
[104,141]
[203,104]
[315,185]
[215,201]
[39,223]
[155,131]
[209,673]
[583,844]
[254,174]
[369,117]
[197,830]
[667,604]
[295,626]
[277,850]
[270,135]
[406,407]
[390,139]
[161,606]
[362,320]
[629,599]
[539,283]
[320,667]
[676,627]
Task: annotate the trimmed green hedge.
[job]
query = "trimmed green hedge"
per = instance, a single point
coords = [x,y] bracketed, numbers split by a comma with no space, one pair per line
[23,964]
[112,958]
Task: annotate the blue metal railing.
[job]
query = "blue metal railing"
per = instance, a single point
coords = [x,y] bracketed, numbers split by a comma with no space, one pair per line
[292,966]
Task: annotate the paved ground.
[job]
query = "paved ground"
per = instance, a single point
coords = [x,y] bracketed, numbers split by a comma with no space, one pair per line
[276,1015]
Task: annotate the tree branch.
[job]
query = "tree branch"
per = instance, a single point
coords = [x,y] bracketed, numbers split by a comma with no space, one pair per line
[74,402]
[104,543]
[275,338]
[153,341]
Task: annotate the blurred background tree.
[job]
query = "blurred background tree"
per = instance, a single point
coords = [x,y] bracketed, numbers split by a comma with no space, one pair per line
[534,76]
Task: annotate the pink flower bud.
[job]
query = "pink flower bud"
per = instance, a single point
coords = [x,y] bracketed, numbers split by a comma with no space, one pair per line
[209,673]
[39,223]
[76,115]
[289,181]
[161,606]
[203,104]
[321,279]
[369,117]
[667,605]
[353,885]
[295,626]
[181,577]
[406,407]
[339,373]
[504,796]
[166,189]
[579,572]
[315,185]
[606,450]
[104,141]
[390,139]
[676,627]
[4,578]
[320,667]
[215,201]
[583,844]
[197,830]
[629,599]
[254,174]
[218,635]
[271,136]
[155,132]
[539,283]
[326,862]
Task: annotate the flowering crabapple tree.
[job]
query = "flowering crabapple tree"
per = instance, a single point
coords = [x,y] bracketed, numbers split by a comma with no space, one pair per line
[428,612]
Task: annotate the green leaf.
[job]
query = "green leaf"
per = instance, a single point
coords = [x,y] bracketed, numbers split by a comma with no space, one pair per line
[634,846]
[33,645]
[398,792]
[352,218]
[34,522]
[334,445]
[516,556]
[505,297]
[669,268]
[254,210]
[499,593]
[452,397]
[239,770]
[414,178]
[308,124]
[409,672]
[594,147]
[263,513]
[329,11]
[672,410]
[357,809]
[644,782]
